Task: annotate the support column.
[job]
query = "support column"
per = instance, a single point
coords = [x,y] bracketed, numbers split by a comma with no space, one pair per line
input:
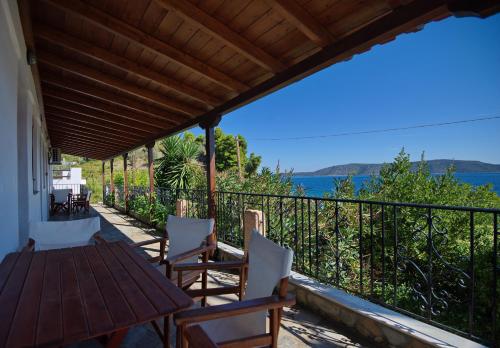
[103,174]
[209,127]
[125,180]
[112,181]
[151,171]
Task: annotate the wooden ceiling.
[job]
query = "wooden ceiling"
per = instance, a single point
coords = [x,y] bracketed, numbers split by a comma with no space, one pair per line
[117,74]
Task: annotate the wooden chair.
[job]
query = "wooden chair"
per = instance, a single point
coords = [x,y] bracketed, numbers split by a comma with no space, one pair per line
[196,337]
[243,323]
[60,200]
[189,239]
[81,201]
[46,235]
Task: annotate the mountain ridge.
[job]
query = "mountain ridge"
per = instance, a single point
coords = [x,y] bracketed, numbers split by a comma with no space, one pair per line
[436,166]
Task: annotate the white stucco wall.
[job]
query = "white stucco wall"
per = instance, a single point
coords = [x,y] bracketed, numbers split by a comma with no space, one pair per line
[19,202]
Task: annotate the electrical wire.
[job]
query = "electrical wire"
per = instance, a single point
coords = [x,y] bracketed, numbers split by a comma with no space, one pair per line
[429,125]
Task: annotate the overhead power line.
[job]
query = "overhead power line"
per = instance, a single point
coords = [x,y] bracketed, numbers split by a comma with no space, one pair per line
[428,125]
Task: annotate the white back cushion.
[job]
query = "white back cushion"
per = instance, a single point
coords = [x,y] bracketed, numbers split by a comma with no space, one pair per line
[185,234]
[268,263]
[61,195]
[87,198]
[63,234]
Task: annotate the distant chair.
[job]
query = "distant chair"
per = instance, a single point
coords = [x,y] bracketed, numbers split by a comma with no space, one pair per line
[244,323]
[60,200]
[47,235]
[81,201]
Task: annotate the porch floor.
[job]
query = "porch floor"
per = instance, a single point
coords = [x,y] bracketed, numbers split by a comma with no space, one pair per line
[299,327]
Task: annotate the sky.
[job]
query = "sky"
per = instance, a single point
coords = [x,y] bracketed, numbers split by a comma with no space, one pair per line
[449,71]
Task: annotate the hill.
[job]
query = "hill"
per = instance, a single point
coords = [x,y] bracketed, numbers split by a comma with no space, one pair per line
[435,166]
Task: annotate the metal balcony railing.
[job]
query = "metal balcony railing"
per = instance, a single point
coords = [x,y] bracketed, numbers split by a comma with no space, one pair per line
[436,263]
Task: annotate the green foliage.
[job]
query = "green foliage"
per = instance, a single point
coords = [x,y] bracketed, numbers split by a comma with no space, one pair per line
[179,167]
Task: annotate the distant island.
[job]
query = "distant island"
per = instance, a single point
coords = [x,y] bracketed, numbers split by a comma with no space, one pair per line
[436,167]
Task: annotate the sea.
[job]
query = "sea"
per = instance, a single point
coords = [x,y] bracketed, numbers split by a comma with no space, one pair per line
[315,186]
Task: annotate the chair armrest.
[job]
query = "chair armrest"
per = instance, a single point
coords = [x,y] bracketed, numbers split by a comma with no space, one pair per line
[209,266]
[148,242]
[30,246]
[172,260]
[98,238]
[233,309]
[198,338]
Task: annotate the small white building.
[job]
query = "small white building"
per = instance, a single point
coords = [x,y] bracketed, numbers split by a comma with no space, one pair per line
[68,179]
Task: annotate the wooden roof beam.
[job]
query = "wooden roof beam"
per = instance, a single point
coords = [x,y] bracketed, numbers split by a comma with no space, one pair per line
[55,120]
[94,121]
[150,43]
[103,55]
[126,114]
[82,153]
[207,23]
[83,143]
[122,85]
[112,132]
[71,150]
[98,115]
[92,91]
[75,136]
[303,21]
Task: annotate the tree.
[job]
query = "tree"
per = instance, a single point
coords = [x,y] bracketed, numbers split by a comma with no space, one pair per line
[179,167]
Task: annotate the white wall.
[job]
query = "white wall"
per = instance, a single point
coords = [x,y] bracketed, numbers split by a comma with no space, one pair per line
[20,201]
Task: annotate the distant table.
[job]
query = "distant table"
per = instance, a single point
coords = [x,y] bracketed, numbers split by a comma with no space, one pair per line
[58,297]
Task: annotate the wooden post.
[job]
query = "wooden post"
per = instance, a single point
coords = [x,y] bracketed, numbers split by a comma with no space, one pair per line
[112,181]
[238,155]
[209,126]
[150,147]
[125,180]
[103,182]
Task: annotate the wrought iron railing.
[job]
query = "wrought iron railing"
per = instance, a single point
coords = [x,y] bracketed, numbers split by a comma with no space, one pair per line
[436,263]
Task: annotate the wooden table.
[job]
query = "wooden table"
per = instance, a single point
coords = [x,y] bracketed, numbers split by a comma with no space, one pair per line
[57,297]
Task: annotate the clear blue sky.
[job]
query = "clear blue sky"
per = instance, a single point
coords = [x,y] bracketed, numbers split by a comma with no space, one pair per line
[448,71]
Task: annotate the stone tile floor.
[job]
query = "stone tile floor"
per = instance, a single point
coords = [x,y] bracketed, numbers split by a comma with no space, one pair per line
[299,327]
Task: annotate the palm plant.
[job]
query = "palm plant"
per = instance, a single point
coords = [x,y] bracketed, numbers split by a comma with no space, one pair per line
[179,167]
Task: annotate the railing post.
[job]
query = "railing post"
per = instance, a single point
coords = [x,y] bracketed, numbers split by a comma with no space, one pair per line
[125,180]
[181,207]
[112,181]
[150,147]
[103,175]
[209,126]
[253,220]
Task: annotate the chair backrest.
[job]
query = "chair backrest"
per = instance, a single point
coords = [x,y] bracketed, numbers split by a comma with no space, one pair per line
[185,234]
[61,195]
[87,198]
[63,234]
[268,264]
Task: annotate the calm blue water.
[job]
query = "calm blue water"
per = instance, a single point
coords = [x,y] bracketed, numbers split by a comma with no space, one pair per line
[315,186]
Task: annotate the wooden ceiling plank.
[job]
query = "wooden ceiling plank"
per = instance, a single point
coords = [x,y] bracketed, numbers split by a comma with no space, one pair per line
[149,42]
[90,90]
[204,21]
[56,123]
[104,107]
[74,152]
[91,127]
[122,85]
[103,55]
[95,122]
[99,115]
[74,135]
[303,21]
